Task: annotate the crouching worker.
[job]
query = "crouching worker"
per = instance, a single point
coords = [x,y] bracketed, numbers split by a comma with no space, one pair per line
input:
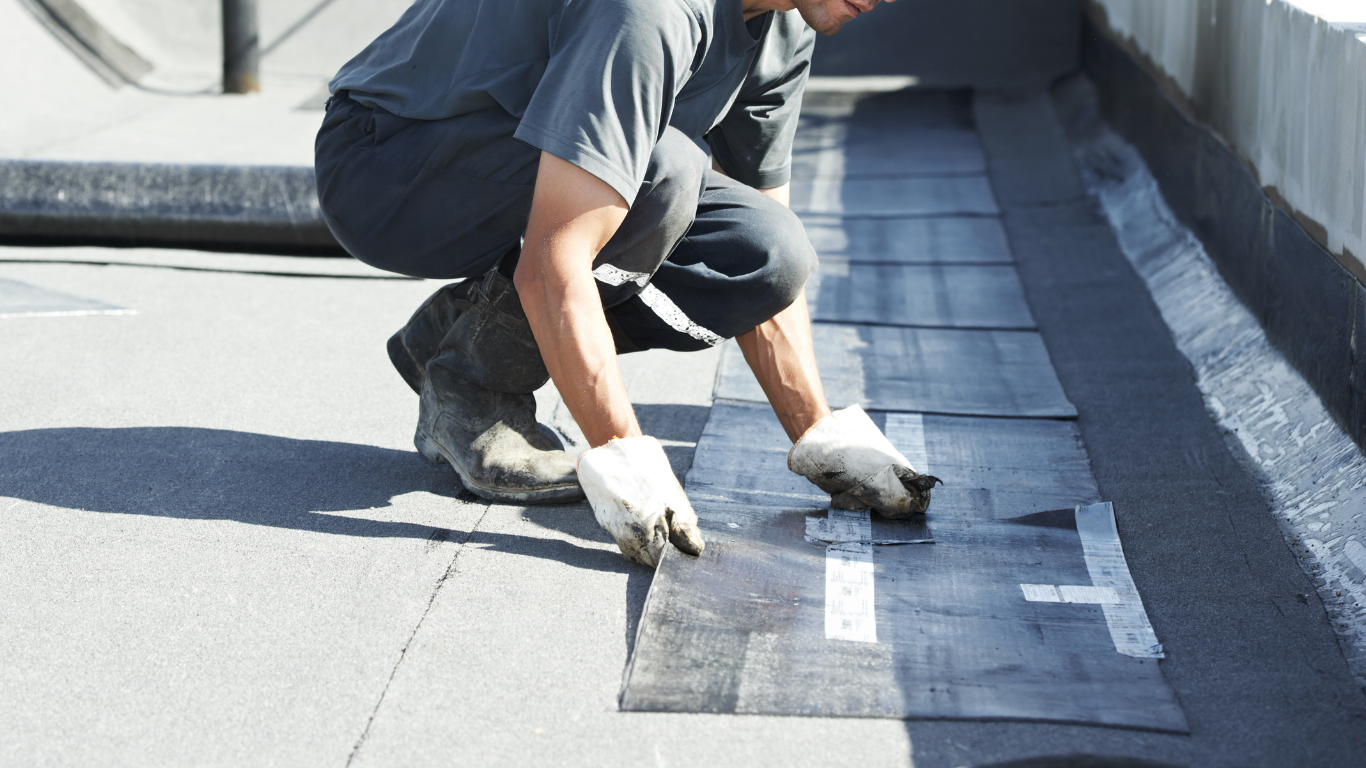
[548,152]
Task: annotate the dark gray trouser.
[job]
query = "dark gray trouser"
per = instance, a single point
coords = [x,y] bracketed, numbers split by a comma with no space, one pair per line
[699,257]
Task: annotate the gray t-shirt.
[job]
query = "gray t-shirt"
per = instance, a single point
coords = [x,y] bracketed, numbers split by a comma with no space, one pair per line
[596,82]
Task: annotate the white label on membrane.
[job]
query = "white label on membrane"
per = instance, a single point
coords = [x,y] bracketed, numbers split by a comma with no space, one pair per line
[1041,593]
[849,611]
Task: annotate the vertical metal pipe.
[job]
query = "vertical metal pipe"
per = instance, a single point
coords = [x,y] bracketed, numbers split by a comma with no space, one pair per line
[241,47]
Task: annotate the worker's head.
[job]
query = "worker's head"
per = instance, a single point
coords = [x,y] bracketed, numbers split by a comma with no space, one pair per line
[827,16]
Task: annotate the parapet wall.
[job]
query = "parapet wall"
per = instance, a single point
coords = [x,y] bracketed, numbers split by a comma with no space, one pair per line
[1187,119]
[1286,89]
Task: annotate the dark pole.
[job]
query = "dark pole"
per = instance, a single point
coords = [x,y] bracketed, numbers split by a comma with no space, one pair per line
[241,47]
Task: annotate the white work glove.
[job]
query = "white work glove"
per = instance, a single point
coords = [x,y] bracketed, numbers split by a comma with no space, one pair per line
[847,456]
[637,499]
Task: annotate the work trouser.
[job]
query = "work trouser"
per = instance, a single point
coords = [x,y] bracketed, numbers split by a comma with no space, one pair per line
[699,258]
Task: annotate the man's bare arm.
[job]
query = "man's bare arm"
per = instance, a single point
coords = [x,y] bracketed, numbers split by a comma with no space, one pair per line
[781,354]
[783,359]
[573,215]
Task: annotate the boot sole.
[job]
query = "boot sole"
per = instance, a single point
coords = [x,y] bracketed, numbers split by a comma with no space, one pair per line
[411,371]
[555,494]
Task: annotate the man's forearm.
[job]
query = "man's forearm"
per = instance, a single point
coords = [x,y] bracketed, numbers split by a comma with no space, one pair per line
[781,354]
[573,214]
[566,317]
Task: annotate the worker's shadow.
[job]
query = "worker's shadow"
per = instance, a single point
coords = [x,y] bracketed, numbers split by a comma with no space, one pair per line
[211,474]
[319,486]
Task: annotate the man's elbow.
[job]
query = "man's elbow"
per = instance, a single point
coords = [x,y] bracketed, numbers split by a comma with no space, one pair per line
[529,276]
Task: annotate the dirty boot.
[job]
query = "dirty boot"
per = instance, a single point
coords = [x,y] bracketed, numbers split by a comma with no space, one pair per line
[477,412]
[492,441]
[420,340]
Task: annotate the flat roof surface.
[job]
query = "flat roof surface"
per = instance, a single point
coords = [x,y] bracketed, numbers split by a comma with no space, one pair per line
[222,548]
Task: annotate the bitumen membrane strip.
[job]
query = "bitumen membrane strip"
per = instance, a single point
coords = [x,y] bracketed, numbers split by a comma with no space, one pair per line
[1022,607]
[938,240]
[991,467]
[940,196]
[744,628]
[926,370]
[946,142]
[23,300]
[942,295]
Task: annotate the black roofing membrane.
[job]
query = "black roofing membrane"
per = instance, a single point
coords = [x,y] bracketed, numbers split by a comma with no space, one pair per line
[741,629]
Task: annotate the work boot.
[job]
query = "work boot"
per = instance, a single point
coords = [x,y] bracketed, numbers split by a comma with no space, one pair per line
[420,340]
[477,412]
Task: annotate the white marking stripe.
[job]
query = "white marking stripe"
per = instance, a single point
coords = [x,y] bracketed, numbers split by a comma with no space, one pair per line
[860,84]
[1129,627]
[849,579]
[613,276]
[669,312]
[1041,593]
[1085,594]
[71,313]
[657,301]
[1047,593]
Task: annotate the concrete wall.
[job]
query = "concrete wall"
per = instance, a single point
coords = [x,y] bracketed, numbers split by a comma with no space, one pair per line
[1284,87]
[958,43]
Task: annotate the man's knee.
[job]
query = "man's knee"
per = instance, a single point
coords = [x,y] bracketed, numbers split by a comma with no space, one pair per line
[790,257]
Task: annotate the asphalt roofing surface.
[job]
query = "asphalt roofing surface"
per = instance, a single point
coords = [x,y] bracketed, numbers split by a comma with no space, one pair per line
[221,547]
